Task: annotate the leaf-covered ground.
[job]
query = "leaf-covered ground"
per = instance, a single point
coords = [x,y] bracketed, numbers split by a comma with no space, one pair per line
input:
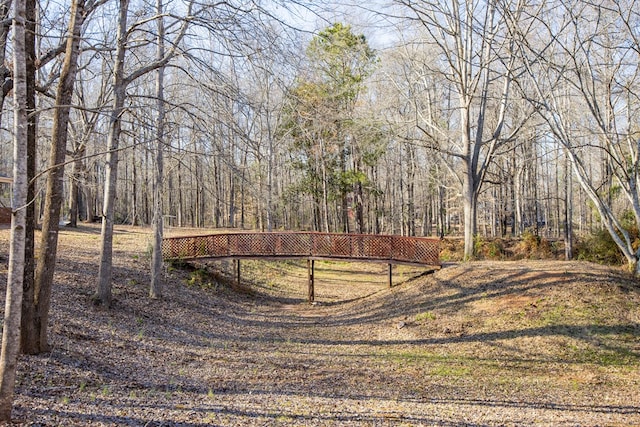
[484,344]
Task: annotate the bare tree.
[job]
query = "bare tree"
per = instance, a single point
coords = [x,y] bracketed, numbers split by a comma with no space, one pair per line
[81,193]
[13,302]
[473,42]
[155,290]
[585,83]
[5,72]
[103,292]
[120,82]
[35,326]
[28,284]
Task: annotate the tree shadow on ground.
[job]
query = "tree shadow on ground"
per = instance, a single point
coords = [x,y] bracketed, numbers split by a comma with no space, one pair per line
[248,330]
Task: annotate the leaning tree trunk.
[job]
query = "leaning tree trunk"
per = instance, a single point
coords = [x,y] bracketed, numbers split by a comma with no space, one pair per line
[34,339]
[13,302]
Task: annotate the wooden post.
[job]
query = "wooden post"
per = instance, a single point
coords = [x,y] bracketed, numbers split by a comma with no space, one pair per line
[238,272]
[310,271]
[391,275]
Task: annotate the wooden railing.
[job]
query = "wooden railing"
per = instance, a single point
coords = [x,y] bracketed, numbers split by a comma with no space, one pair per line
[310,245]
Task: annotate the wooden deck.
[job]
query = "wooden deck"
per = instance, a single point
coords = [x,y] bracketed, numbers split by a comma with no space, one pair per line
[311,246]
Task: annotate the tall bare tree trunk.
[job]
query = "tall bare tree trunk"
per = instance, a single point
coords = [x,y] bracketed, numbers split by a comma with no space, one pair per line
[270,184]
[482,90]
[325,190]
[103,292]
[411,204]
[155,290]
[75,188]
[34,338]
[13,302]
[5,73]
[28,284]
[470,204]
[90,207]
[568,211]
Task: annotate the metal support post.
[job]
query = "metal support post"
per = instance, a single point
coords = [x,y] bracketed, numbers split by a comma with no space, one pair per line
[310,271]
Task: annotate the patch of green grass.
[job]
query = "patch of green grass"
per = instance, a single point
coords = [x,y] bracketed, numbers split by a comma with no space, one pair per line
[176,264]
[486,369]
[425,316]
[105,390]
[605,357]
[451,371]
[417,356]
[203,279]
[554,315]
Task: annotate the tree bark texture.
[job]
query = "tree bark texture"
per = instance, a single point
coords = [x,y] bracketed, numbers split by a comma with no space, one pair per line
[6,82]
[103,292]
[13,302]
[28,285]
[155,290]
[103,295]
[36,341]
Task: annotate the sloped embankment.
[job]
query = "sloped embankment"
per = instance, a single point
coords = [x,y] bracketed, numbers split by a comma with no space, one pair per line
[566,310]
[488,343]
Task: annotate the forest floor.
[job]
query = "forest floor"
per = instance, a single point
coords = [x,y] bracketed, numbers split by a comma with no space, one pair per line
[488,343]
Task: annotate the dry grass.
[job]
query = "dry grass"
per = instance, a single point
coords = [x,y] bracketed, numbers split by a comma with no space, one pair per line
[485,343]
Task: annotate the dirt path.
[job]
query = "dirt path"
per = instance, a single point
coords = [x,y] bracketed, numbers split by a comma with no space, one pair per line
[529,343]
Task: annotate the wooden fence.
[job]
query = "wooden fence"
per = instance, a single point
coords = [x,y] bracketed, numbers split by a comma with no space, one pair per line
[310,245]
[5,215]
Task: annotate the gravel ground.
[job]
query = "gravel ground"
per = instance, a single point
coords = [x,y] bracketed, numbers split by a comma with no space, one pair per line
[480,344]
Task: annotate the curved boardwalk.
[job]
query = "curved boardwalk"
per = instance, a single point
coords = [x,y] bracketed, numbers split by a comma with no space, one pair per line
[306,245]
[309,245]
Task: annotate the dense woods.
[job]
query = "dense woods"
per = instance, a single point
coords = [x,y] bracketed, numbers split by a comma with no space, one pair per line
[471,118]
[267,127]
